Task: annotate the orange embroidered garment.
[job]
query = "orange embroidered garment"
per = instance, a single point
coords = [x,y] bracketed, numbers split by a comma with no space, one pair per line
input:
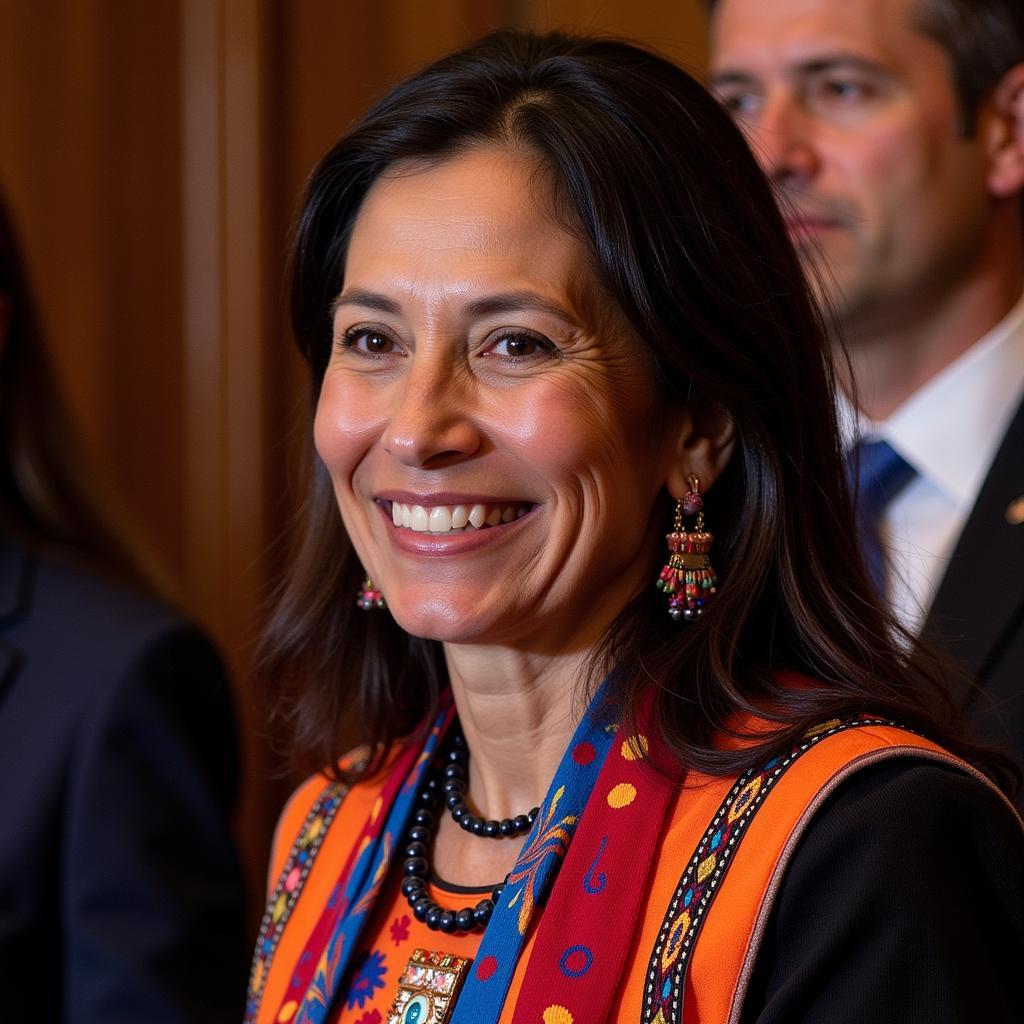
[725,949]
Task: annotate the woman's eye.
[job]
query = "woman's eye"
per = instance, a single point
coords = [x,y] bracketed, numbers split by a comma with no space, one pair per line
[520,346]
[368,342]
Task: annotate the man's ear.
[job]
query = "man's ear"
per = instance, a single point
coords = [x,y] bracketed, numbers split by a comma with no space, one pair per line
[1004,135]
[705,441]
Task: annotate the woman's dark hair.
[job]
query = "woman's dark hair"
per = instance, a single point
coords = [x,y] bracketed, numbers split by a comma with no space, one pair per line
[684,232]
[46,500]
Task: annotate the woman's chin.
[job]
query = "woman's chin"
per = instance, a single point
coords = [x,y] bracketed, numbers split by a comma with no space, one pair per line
[454,620]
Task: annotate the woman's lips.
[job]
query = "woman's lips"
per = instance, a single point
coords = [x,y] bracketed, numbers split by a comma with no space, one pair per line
[446,518]
[450,528]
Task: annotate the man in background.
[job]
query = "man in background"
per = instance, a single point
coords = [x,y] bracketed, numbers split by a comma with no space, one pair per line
[893,131]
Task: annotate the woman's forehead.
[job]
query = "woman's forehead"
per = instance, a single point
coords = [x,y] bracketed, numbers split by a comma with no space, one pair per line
[480,221]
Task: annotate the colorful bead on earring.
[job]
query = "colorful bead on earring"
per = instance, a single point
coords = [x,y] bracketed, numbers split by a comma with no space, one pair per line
[688,579]
[368,596]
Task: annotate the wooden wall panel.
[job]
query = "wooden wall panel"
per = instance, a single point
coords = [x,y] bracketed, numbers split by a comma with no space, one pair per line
[89,160]
[676,28]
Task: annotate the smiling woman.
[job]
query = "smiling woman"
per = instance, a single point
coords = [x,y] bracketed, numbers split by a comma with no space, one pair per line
[483,386]
[551,314]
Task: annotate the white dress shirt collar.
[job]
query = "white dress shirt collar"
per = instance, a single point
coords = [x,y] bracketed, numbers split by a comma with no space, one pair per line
[949,430]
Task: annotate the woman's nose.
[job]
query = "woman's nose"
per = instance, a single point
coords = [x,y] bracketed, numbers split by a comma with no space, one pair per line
[432,422]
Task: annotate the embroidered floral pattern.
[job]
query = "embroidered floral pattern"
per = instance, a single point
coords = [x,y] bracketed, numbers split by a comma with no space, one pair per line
[400,929]
[368,972]
[288,888]
[549,838]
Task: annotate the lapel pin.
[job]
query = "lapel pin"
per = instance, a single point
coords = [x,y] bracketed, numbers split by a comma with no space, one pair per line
[1015,512]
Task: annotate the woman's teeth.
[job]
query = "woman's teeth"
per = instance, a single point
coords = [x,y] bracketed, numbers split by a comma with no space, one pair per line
[446,518]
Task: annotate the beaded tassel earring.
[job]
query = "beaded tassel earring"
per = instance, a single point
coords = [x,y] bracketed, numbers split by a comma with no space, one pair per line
[688,579]
[368,596]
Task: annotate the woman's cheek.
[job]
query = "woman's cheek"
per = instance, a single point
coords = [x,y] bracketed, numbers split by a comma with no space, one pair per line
[346,425]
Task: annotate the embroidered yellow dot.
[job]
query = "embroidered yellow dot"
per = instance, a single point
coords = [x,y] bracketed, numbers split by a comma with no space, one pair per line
[635,747]
[279,908]
[287,1011]
[706,867]
[377,805]
[622,795]
[557,1015]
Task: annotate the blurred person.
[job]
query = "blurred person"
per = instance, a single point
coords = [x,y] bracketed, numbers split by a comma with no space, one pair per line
[893,132]
[575,558]
[121,896]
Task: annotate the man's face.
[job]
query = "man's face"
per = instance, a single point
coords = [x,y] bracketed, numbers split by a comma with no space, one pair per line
[852,112]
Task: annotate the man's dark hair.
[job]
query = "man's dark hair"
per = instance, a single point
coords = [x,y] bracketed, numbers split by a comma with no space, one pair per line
[983,39]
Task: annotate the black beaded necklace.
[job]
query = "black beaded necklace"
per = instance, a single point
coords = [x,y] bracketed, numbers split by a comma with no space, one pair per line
[449,781]
[454,787]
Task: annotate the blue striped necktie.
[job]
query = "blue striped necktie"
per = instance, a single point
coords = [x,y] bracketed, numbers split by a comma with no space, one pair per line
[877,473]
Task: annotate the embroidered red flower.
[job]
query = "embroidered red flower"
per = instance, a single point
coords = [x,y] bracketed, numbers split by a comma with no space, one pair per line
[400,929]
[371,1017]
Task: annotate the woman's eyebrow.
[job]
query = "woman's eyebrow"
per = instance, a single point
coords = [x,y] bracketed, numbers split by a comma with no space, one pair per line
[488,305]
[513,302]
[368,299]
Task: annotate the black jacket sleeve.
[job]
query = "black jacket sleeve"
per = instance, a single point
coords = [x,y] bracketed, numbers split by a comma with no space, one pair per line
[152,895]
[904,902]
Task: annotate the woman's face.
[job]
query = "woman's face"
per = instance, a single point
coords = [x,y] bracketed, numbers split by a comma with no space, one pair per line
[487,413]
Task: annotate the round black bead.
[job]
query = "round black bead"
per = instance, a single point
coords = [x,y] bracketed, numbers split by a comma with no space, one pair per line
[433,916]
[533,815]
[492,829]
[458,813]
[507,827]
[454,786]
[467,821]
[479,826]
[464,919]
[454,771]
[426,798]
[455,756]
[425,818]
[411,885]
[458,739]
[415,849]
[415,866]
[522,823]
[497,891]
[453,800]
[482,912]
[446,922]
[419,834]
[422,907]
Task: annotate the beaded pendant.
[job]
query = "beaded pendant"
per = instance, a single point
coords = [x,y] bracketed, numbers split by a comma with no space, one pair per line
[369,596]
[428,988]
[688,578]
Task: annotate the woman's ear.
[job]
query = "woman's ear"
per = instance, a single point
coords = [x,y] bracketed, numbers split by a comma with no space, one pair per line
[1005,134]
[705,440]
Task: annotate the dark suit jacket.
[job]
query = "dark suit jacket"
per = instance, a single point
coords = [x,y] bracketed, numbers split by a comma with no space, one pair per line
[121,897]
[978,612]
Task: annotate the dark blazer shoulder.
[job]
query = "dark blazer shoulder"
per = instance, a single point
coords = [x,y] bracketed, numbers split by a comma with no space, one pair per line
[871,920]
[977,618]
